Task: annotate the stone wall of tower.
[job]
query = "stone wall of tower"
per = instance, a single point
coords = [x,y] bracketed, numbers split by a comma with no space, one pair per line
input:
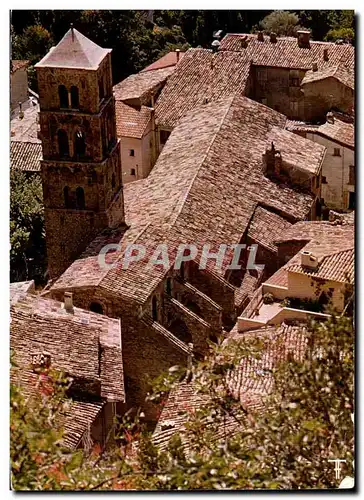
[82,188]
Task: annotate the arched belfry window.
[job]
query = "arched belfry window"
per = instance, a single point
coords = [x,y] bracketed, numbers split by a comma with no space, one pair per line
[80,198]
[66,195]
[79,143]
[63,96]
[63,146]
[74,97]
[96,307]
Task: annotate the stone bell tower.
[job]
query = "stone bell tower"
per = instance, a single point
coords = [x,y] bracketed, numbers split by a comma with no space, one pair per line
[81,166]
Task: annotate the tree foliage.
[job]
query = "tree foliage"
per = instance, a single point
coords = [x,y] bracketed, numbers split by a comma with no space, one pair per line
[307,421]
[27,234]
[281,22]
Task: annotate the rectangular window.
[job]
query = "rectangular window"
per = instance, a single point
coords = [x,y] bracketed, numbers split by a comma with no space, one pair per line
[294,107]
[131,152]
[163,136]
[352,201]
[323,181]
[351,175]
[132,171]
[337,152]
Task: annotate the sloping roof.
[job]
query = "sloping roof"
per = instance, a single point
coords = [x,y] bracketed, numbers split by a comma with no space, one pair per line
[286,53]
[296,151]
[324,240]
[141,85]
[25,129]
[265,226]
[74,51]
[250,382]
[336,130]
[73,340]
[340,72]
[18,64]
[131,122]
[25,156]
[203,189]
[20,289]
[201,76]
[166,61]
[337,266]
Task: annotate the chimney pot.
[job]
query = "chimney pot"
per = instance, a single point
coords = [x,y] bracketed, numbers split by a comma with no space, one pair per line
[215,45]
[326,54]
[303,38]
[314,66]
[244,42]
[177,54]
[309,260]
[260,36]
[68,302]
[273,37]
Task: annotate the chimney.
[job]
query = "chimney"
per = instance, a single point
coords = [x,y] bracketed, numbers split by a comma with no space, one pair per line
[177,54]
[68,302]
[215,45]
[326,54]
[309,260]
[244,42]
[260,36]
[303,37]
[314,66]
[330,117]
[272,161]
[273,37]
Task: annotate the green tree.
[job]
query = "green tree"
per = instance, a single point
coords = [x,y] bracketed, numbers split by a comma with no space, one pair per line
[281,22]
[27,234]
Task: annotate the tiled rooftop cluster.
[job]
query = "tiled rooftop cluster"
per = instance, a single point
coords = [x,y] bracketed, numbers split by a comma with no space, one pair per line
[83,344]
[25,156]
[200,192]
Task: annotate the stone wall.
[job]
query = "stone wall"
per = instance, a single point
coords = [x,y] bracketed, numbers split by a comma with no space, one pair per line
[324,95]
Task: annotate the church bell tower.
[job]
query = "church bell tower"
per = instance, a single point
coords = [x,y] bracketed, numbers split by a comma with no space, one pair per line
[81,166]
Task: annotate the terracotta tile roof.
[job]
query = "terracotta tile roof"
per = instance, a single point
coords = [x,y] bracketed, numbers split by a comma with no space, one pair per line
[339,131]
[297,151]
[74,342]
[74,51]
[245,292]
[141,85]
[77,421]
[204,188]
[265,226]
[323,239]
[18,64]
[286,53]
[201,76]
[340,72]
[338,266]
[250,382]
[131,122]
[25,156]
[165,61]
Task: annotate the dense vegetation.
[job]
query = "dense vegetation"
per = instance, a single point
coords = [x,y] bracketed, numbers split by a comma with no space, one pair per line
[308,421]
[136,41]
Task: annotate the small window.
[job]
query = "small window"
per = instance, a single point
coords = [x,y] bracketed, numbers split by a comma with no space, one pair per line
[352,201]
[63,96]
[163,136]
[132,171]
[96,307]
[74,97]
[63,146]
[80,198]
[351,175]
[323,179]
[131,152]
[337,152]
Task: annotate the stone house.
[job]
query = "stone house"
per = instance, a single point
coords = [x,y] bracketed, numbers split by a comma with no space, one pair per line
[317,260]
[18,83]
[338,169]
[84,345]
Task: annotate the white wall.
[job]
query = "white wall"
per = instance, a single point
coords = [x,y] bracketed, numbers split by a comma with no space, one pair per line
[336,170]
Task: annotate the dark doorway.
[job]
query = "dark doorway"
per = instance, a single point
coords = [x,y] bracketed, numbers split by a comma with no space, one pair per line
[352,201]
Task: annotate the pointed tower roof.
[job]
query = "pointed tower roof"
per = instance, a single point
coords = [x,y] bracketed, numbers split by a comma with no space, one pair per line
[74,51]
